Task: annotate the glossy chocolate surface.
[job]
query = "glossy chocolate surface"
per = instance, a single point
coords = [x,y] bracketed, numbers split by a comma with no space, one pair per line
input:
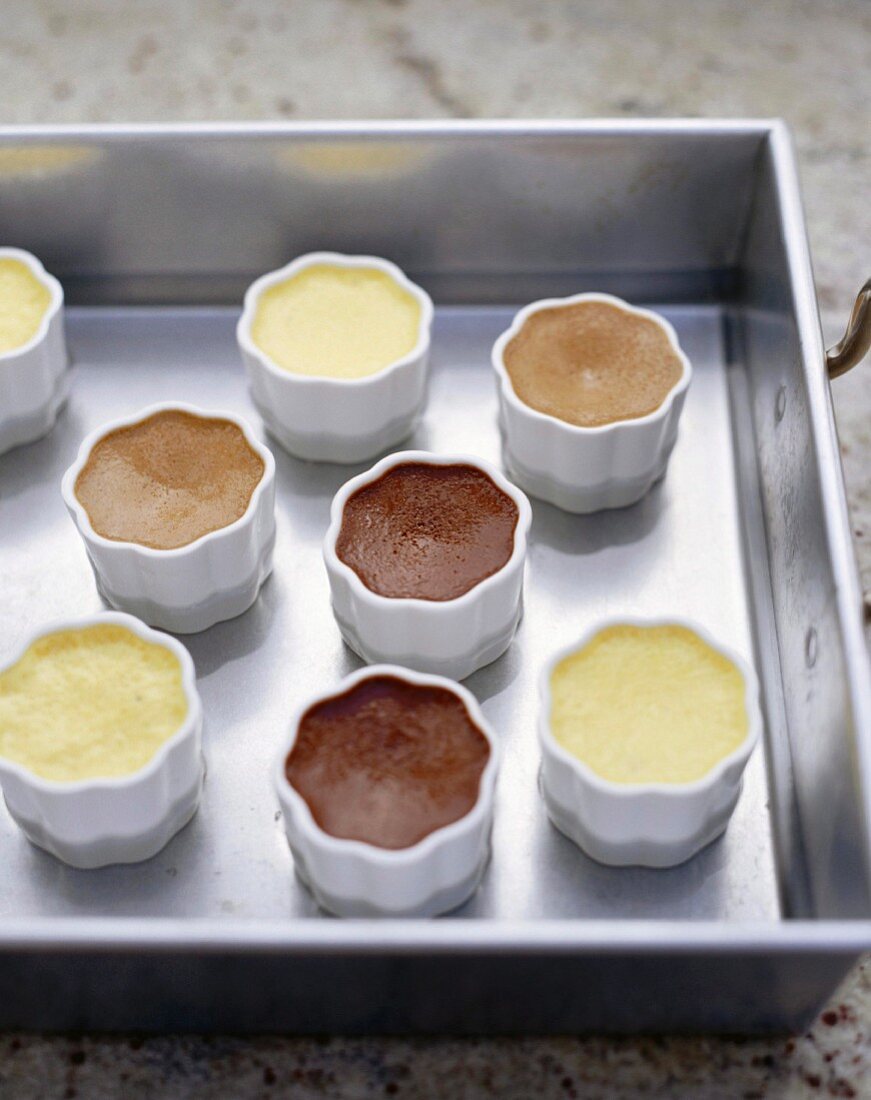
[427,532]
[388,762]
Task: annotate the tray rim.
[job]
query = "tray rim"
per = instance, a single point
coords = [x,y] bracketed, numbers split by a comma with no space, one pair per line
[416,128]
[493,937]
[443,935]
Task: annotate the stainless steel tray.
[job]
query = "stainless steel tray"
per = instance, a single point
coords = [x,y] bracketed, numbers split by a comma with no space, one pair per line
[155,233]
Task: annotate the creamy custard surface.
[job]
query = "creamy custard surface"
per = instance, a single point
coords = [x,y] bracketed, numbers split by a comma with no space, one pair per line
[169,479]
[388,762]
[336,322]
[90,702]
[591,363]
[426,531]
[652,704]
[24,300]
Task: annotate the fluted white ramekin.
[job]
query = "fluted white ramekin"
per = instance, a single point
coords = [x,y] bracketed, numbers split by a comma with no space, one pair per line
[352,878]
[93,822]
[192,587]
[586,469]
[450,638]
[337,419]
[34,380]
[641,824]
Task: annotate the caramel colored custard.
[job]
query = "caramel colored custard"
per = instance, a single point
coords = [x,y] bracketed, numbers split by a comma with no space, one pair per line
[168,480]
[427,532]
[336,322]
[388,762]
[591,363]
[90,702]
[648,704]
[24,300]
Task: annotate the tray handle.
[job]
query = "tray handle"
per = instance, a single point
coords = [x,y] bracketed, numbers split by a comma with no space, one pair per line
[854,344]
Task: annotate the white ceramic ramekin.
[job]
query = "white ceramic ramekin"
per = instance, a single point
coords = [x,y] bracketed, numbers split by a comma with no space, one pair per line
[586,469]
[34,380]
[450,638]
[337,419]
[192,587]
[354,879]
[93,822]
[635,824]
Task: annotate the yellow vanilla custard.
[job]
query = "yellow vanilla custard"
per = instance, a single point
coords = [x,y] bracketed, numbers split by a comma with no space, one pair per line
[24,300]
[648,704]
[90,702]
[336,322]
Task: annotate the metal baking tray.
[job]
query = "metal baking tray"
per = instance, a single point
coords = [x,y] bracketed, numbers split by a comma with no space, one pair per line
[155,232]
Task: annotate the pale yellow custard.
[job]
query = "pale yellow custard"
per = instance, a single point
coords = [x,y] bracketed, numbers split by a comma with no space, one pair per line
[336,322]
[24,300]
[648,704]
[90,702]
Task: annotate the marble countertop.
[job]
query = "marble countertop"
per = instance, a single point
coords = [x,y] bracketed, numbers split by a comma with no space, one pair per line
[210,59]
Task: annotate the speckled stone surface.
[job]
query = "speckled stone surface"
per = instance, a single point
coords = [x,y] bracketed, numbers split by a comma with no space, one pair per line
[808,62]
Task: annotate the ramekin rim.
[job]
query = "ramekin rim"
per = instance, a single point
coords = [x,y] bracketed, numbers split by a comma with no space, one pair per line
[398,458]
[339,259]
[659,413]
[80,513]
[391,857]
[159,759]
[52,285]
[739,756]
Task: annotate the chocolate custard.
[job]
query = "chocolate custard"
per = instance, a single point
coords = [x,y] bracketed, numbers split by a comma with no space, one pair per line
[427,532]
[591,363]
[388,762]
[168,480]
